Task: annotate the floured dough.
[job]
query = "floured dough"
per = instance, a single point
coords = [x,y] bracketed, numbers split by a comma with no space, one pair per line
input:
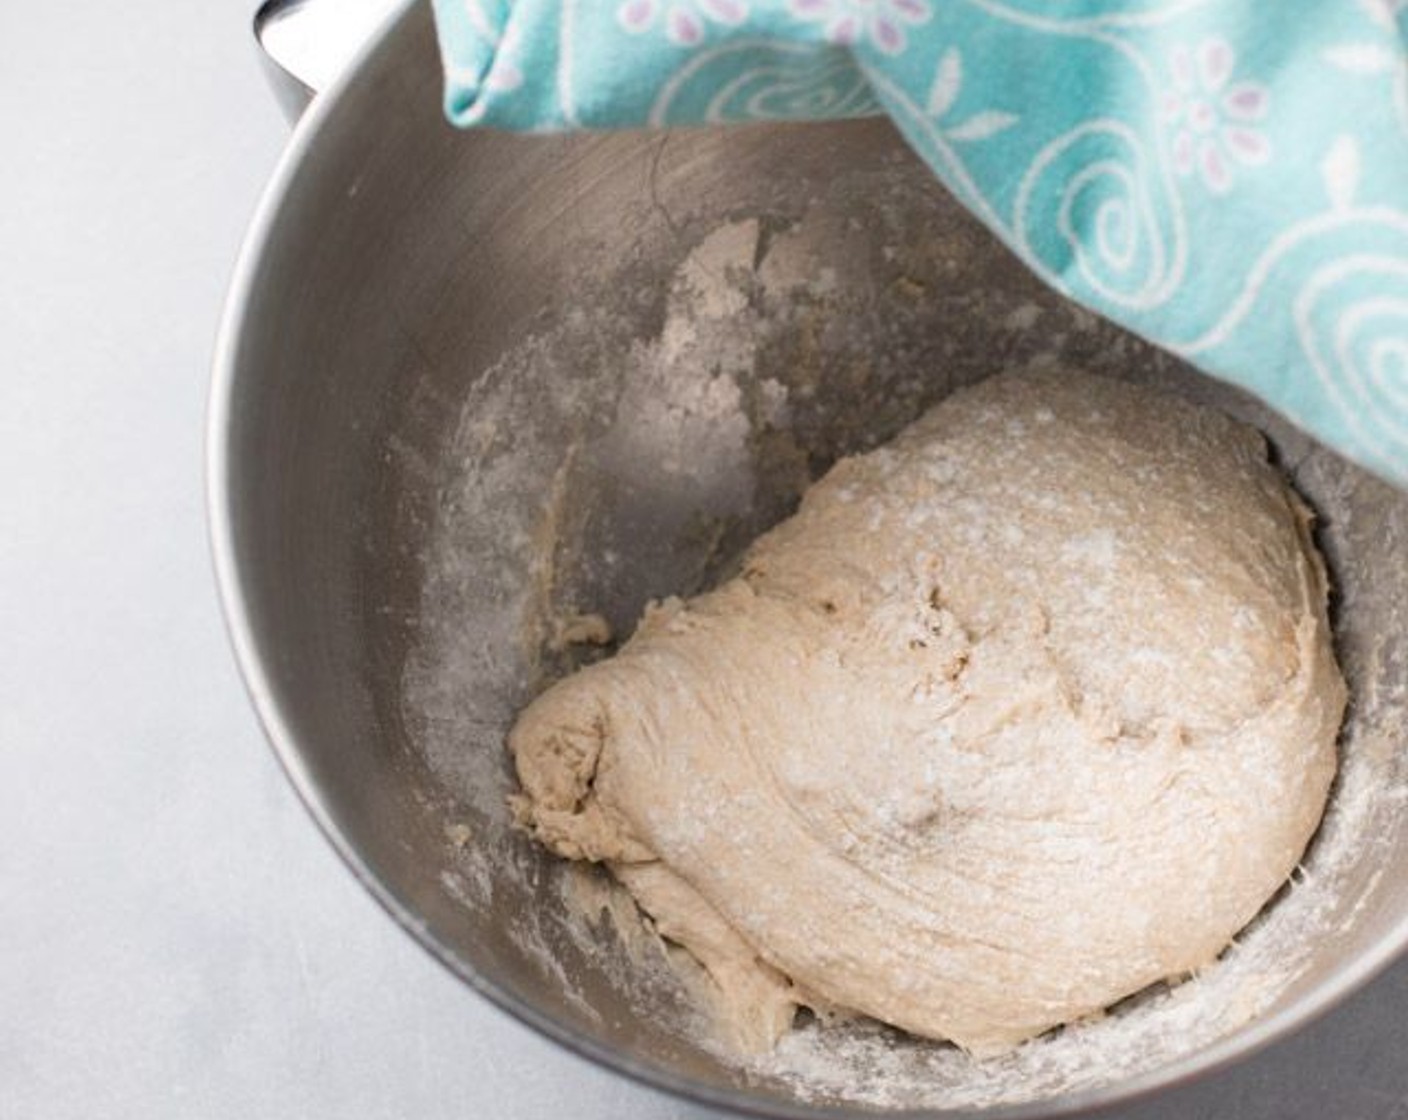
[1019,714]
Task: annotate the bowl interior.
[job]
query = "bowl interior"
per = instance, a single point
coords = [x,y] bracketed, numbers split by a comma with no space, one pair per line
[480,384]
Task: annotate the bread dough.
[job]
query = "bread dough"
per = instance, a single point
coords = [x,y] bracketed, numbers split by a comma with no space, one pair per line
[1017,715]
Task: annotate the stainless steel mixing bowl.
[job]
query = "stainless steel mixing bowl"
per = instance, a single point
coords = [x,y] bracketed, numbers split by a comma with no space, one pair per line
[463,388]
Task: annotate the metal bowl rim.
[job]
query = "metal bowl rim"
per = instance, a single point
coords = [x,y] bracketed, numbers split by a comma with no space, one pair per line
[301,151]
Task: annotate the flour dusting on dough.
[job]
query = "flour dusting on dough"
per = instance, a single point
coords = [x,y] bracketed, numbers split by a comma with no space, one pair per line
[978,757]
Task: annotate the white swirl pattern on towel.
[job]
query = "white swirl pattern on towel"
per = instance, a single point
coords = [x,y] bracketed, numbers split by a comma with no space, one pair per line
[761,80]
[1101,184]
[1352,323]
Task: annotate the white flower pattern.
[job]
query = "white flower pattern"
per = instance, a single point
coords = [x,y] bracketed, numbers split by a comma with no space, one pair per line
[849,22]
[1212,117]
[686,22]
[948,83]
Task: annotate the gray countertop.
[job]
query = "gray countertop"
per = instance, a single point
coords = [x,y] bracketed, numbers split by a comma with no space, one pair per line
[177,938]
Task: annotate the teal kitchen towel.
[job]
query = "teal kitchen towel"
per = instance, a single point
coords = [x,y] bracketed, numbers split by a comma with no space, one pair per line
[1228,178]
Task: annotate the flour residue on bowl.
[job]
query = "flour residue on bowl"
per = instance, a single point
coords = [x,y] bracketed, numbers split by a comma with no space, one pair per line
[617,455]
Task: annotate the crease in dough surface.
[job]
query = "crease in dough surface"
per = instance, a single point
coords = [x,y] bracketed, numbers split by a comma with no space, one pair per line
[1027,710]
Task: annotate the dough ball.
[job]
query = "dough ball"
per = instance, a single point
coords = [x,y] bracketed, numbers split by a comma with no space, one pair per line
[1019,714]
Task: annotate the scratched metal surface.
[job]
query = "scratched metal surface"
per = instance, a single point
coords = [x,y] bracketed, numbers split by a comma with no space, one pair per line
[175,938]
